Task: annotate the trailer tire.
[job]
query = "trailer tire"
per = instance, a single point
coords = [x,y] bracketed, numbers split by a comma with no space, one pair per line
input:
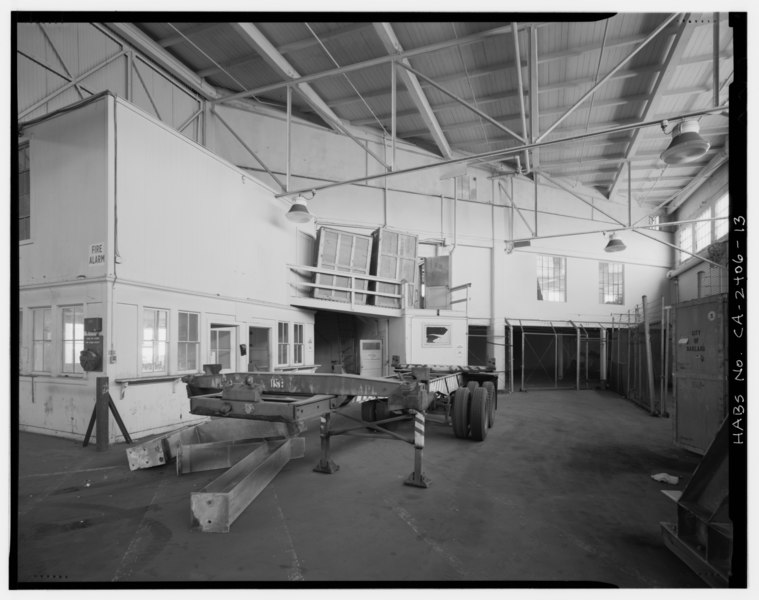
[479,414]
[490,387]
[461,412]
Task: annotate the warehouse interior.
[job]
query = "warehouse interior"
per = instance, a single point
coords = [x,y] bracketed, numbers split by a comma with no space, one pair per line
[266,268]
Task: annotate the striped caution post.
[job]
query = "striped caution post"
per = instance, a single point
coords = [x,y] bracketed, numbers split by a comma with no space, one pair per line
[417,478]
[325,464]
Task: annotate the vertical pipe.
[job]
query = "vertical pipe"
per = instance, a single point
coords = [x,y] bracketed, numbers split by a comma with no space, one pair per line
[555,359]
[101,410]
[649,358]
[288,139]
[665,412]
[661,359]
[392,111]
[535,179]
[612,347]
[715,68]
[629,193]
[577,361]
[629,356]
[523,336]
[602,365]
[511,359]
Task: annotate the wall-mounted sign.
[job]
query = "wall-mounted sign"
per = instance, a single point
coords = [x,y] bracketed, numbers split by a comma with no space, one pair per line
[97,255]
[436,335]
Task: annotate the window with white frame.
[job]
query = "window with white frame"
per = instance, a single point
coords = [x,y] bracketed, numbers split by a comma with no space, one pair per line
[283,343]
[721,214]
[188,341]
[221,346]
[710,225]
[703,229]
[72,318]
[155,340]
[611,283]
[42,339]
[685,241]
[552,278]
[24,194]
[297,344]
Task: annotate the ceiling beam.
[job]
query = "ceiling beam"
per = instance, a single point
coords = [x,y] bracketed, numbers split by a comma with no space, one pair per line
[666,75]
[393,46]
[381,60]
[608,76]
[161,57]
[256,40]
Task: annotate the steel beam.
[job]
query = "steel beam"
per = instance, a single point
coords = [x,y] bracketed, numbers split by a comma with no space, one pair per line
[393,46]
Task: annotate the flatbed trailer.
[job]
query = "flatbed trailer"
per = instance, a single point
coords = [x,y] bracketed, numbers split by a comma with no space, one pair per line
[465,396]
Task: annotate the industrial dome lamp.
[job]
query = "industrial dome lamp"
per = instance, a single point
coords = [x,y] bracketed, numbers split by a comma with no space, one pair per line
[614,245]
[686,145]
[299,212]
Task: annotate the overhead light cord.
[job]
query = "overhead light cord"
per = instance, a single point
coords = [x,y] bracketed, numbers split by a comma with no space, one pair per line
[332,58]
[216,64]
[471,87]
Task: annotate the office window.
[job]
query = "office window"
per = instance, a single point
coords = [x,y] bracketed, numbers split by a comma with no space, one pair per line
[283,343]
[721,212]
[24,195]
[703,229]
[221,347]
[297,344]
[188,342]
[73,337]
[42,339]
[155,340]
[611,283]
[552,278]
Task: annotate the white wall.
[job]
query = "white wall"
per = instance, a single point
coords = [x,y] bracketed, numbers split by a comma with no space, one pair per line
[69,204]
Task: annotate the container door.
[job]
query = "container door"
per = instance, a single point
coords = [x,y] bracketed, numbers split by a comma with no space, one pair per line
[370,358]
[700,372]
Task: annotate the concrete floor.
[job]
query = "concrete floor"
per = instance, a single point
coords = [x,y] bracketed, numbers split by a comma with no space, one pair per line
[560,493]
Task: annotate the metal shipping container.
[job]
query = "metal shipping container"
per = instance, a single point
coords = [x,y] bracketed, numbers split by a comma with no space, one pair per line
[700,373]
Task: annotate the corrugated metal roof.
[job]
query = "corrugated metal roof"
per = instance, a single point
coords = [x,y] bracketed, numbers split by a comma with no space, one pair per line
[476,61]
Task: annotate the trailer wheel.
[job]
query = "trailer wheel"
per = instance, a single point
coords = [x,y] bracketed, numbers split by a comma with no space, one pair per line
[461,413]
[479,414]
[490,387]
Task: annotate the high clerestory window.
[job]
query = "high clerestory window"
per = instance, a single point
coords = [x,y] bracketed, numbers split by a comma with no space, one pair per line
[24,195]
[711,225]
[552,278]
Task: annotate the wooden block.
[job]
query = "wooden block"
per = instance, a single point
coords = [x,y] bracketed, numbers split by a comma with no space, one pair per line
[216,506]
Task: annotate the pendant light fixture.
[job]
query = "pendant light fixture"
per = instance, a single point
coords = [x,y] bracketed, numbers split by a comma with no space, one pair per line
[687,144]
[614,244]
[299,212]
